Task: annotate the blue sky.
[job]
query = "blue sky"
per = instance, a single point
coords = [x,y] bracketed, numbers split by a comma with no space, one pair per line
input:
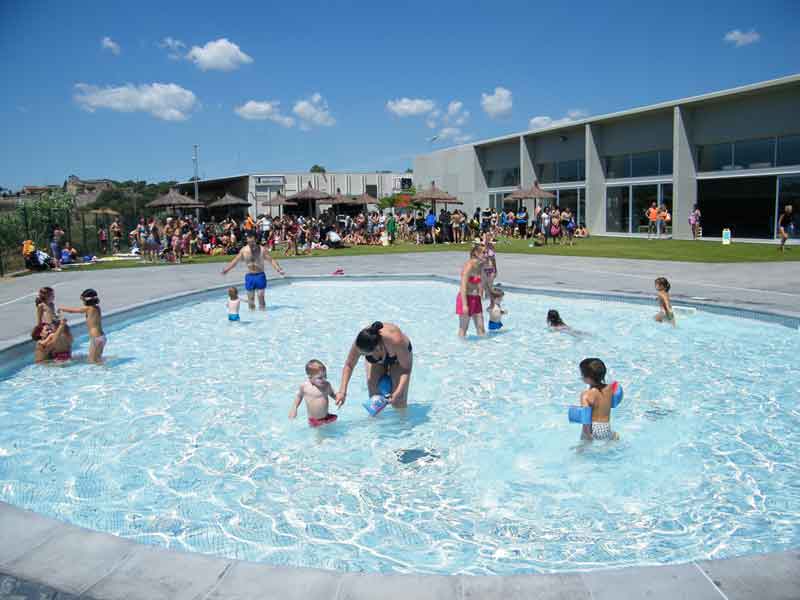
[123,90]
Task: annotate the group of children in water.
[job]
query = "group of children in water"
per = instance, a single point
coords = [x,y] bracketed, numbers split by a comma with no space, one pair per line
[52,334]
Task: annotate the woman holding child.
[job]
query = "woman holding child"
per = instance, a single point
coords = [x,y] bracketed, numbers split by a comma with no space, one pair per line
[387,350]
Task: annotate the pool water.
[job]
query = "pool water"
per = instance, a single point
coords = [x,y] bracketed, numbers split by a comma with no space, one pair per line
[183,440]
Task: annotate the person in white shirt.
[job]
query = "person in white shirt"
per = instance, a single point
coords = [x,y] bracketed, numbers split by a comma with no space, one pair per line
[233,304]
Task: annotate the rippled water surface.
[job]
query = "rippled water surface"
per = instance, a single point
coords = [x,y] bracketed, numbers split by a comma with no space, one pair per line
[183,440]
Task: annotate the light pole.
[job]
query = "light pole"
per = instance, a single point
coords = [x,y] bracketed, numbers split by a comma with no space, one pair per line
[195,153]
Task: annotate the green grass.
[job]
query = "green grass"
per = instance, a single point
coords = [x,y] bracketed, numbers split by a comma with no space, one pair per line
[605,247]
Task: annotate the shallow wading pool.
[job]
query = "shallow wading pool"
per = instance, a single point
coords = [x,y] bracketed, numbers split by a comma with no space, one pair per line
[183,439]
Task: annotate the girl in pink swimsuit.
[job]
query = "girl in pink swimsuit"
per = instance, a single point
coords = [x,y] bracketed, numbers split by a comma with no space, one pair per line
[468,301]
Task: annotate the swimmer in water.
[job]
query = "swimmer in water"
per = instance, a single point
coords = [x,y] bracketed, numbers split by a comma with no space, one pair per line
[496,311]
[315,392]
[46,307]
[468,301]
[91,309]
[664,304]
[233,304]
[598,396]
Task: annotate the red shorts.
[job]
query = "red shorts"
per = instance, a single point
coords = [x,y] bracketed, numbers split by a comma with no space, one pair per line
[473,304]
[61,356]
[313,422]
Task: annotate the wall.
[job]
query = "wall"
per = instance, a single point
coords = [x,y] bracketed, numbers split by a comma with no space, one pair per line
[549,147]
[629,135]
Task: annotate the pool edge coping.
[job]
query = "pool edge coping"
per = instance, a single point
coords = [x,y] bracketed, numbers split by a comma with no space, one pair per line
[124,568]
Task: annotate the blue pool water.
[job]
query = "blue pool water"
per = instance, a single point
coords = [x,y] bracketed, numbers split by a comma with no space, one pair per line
[184,441]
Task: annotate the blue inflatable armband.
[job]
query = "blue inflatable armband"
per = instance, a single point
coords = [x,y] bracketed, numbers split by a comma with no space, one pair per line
[375,404]
[580,414]
[385,386]
[616,394]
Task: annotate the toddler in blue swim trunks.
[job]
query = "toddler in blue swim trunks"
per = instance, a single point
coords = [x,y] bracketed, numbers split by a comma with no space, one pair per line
[496,311]
[233,304]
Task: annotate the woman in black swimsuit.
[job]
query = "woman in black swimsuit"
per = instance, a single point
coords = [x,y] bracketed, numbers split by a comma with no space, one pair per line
[386,350]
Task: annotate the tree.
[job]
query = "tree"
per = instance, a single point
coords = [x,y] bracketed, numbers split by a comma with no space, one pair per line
[317,169]
[409,170]
[388,202]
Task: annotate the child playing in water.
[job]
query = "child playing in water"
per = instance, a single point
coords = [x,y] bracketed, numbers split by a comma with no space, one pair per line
[91,308]
[665,306]
[496,311]
[315,392]
[233,304]
[46,307]
[598,396]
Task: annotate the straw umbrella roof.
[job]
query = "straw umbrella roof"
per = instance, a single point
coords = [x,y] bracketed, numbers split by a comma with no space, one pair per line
[278,200]
[530,193]
[365,198]
[174,199]
[228,201]
[434,194]
[310,194]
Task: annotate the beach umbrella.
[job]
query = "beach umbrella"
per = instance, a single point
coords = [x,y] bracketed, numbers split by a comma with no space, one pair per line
[434,195]
[229,201]
[174,199]
[310,196]
[278,200]
[530,193]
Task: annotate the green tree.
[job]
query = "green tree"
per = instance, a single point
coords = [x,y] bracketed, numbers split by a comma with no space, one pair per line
[409,170]
[317,169]
[388,202]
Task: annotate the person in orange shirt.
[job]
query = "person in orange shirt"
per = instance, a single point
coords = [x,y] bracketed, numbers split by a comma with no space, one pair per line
[652,220]
[664,219]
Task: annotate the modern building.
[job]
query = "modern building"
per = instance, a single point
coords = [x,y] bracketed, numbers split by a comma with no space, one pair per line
[260,187]
[734,153]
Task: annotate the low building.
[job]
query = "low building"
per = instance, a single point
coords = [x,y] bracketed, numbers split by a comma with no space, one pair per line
[38,190]
[76,186]
[734,153]
[258,188]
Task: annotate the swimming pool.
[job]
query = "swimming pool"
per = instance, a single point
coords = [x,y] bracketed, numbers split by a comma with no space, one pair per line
[182,443]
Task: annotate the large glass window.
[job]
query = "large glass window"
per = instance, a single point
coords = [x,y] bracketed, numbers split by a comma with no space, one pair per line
[754,154]
[745,205]
[789,193]
[546,172]
[581,207]
[715,157]
[502,177]
[666,196]
[618,167]
[789,150]
[617,209]
[644,164]
[568,170]
[568,199]
[644,196]
[665,162]
[581,170]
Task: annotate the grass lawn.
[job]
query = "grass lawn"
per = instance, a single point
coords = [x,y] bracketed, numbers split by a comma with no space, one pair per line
[607,247]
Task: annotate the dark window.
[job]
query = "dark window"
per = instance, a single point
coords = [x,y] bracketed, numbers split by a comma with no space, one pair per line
[715,157]
[789,194]
[745,205]
[568,170]
[546,172]
[754,154]
[644,164]
[617,209]
[581,207]
[372,190]
[665,157]
[581,170]
[618,167]
[569,199]
[643,197]
[789,150]
[406,183]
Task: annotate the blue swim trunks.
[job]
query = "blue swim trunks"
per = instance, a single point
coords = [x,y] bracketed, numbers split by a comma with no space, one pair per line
[255,281]
[494,326]
[233,317]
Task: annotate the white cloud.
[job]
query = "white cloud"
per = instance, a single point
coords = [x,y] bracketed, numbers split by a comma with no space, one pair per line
[456,115]
[167,101]
[542,121]
[454,107]
[108,44]
[497,104]
[254,110]
[313,111]
[453,133]
[219,55]
[175,47]
[410,107]
[740,38]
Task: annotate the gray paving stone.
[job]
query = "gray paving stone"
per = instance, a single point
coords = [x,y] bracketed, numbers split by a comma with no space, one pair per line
[72,561]
[12,588]
[156,574]
[399,587]
[667,582]
[248,581]
[22,530]
[525,587]
[773,576]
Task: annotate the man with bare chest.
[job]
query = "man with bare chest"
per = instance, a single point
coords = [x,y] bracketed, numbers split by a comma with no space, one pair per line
[255,280]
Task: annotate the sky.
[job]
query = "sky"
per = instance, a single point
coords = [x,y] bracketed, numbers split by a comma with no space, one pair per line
[123,90]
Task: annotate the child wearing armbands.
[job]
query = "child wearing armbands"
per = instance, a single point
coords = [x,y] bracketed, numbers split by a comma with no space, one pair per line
[315,392]
[600,397]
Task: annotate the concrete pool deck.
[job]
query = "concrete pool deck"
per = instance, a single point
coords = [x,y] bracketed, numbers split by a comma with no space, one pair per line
[44,558]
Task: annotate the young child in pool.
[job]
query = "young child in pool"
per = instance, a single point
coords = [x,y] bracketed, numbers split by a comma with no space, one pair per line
[46,307]
[233,304]
[496,311]
[598,396]
[665,306]
[91,308]
[315,392]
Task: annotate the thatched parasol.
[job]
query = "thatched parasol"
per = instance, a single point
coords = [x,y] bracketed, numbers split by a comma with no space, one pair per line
[228,201]
[311,196]
[174,199]
[365,198]
[434,195]
[278,200]
[530,193]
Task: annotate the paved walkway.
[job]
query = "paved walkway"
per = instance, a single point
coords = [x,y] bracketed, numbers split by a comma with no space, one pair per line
[773,287]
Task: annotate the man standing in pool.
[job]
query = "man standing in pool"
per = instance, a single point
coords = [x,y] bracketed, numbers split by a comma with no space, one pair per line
[255,280]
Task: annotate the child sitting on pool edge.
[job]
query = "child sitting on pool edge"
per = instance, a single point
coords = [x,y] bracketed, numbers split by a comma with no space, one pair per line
[233,304]
[496,311]
[664,304]
[598,396]
[315,392]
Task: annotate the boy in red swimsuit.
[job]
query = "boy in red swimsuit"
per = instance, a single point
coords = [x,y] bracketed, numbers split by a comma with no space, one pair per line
[315,392]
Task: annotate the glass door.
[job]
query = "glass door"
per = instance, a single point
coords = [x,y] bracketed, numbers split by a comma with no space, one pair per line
[788,193]
[642,198]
